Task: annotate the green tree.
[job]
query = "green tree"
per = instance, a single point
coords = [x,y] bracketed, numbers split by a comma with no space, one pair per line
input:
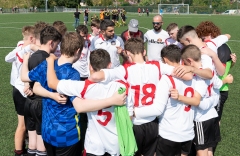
[89,2]
[145,2]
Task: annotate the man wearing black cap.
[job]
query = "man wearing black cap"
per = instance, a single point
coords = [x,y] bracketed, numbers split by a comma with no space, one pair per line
[132,31]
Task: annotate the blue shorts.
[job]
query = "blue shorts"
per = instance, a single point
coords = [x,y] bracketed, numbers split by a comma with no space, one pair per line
[85,18]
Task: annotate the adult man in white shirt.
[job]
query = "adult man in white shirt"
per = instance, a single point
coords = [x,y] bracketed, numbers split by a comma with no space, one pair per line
[155,39]
[109,41]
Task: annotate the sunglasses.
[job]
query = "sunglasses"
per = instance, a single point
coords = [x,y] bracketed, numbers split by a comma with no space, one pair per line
[157,23]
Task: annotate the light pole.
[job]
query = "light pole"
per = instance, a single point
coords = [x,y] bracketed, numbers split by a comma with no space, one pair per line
[46,5]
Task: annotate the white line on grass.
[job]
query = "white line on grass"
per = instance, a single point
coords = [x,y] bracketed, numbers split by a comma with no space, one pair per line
[7,47]
[9,28]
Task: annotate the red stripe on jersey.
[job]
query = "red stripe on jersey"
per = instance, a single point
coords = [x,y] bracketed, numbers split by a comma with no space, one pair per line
[19,58]
[157,64]
[101,36]
[126,65]
[210,41]
[87,83]
[209,88]
[126,85]
[20,45]
[172,81]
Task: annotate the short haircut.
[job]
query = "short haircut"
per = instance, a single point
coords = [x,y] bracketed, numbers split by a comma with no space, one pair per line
[95,23]
[171,26]
[71,42]
[207,27]
[49,33]
[106,23]
[82,29]
[134,45]
[187,29]
[172,53]
[99,59]
[38,27]
[60,26]
[191,51]
[27,31]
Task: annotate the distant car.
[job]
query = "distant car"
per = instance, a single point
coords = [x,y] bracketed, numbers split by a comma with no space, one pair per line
[230,12]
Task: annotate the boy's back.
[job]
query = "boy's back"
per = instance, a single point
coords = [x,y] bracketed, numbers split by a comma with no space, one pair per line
[55,114]
[101,135]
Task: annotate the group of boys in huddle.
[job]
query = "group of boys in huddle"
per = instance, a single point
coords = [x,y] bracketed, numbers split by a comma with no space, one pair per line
[57,76]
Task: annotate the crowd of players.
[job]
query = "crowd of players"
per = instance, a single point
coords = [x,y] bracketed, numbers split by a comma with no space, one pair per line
[175,89]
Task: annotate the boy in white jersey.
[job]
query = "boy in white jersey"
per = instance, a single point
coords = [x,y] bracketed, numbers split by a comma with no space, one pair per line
[207,133]
[172,30]
[175,118]
[187,35]
[19,97]
[81,65]
[101,136]
[142,78]
[108,41]
[95,28]
[62,29]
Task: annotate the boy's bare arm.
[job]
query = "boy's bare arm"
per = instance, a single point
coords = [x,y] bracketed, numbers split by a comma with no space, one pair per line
[39,90]
[52,79]
[194,101]
[88,105]
[97,76]
[181,70]
[24,70]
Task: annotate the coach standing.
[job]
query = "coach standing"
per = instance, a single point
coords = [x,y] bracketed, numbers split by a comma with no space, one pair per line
[155,39]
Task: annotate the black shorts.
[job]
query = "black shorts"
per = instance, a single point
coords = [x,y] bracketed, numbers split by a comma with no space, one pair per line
[83,78]
[222,99]
[63,151]
[146,136]
[167,147]
[124,18]
[33,115]
[207,134]
[19,101]
[83,124]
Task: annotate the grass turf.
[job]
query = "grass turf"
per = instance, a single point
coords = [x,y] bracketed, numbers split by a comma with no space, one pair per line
[10,34]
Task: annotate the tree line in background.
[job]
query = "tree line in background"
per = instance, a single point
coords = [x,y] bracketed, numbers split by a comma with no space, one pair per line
[74,3]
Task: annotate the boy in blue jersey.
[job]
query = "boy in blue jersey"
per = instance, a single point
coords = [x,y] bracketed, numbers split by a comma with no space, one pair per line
[60,123]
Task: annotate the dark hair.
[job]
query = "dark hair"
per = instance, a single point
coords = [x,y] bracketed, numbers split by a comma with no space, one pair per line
[95,23]
[60,26]
[99,59]
[183,30]
[134,45]
[171,26]
[49,33]
[106,23]
[38,27]
[172,53]
[71,42]
[82,29]
[191,51]
[207,27]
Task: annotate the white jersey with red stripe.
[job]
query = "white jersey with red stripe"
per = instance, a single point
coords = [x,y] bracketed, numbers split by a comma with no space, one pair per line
[81,65]
[170,41]
[90,37]
[19,60]
[175,117]
[206,110]
[213,44]
[101,135]
[110,46]
[142,80]
[11,58]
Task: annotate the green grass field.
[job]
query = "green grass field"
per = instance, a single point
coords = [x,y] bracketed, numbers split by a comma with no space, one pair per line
[10,34]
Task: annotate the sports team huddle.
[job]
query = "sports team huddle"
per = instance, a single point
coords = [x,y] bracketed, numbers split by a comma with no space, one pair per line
[98,94]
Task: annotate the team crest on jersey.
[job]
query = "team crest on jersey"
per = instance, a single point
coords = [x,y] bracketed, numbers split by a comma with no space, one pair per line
[113,43]
[159,40]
